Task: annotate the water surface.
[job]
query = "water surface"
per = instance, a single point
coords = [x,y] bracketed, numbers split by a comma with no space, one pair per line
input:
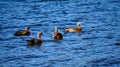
[97,45]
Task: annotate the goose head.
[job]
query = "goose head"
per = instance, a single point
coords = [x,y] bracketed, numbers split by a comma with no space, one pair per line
[27,28]
[39,35]
[56,29]
[78,24]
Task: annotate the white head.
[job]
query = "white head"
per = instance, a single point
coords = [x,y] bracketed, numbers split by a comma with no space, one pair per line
[39,35]
[56,29]
[78,24]
[27,28]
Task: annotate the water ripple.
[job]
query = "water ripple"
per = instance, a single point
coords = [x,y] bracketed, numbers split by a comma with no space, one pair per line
[93,46]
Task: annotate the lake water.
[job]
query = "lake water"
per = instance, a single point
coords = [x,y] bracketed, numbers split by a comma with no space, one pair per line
[97,45]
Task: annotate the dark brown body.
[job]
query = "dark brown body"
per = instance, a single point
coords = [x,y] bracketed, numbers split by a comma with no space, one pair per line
[34,42]
[22,33]
[57,36]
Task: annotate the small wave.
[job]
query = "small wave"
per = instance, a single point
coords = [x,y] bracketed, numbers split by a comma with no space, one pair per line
[61,60]
[87,38]
[7,59]
[31,56]
[12,0]
[79,48]
[117,43]
[114,1]
[10,47]
[12,58]
[108,37]
[105,62]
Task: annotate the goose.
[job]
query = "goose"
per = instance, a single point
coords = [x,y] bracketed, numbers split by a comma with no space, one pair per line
[37,41]
[78,29]
[23,32]
[56,35]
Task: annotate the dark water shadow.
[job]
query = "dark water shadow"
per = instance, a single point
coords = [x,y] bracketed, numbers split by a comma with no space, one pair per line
[35,45]
[117,43]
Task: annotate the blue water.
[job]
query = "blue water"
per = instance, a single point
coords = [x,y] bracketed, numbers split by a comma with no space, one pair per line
[97,45]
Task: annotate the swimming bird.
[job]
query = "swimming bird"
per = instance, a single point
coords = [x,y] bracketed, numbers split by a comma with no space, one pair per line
[37,41]
[23,32]
[78,29]
[56,35]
